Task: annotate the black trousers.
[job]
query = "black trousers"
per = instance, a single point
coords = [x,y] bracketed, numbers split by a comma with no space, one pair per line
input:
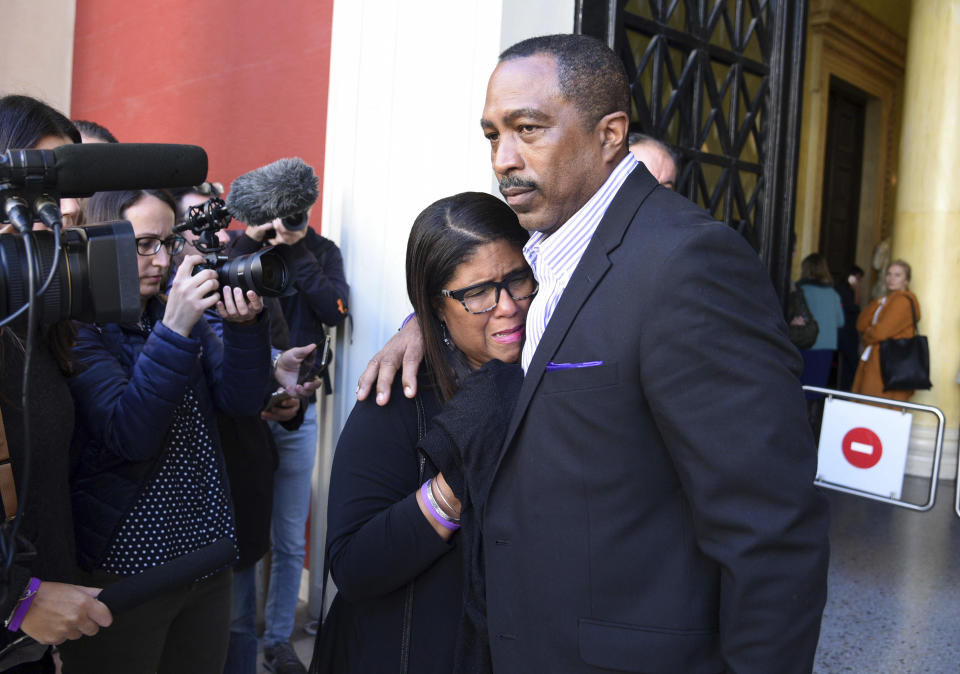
[182,632]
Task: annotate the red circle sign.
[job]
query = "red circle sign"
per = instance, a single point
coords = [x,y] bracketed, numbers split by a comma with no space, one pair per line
[862,448]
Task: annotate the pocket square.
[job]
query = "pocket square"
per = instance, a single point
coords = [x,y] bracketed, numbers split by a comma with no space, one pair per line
[570,366]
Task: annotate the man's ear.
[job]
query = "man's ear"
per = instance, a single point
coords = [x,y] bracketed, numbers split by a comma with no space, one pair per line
[613,129]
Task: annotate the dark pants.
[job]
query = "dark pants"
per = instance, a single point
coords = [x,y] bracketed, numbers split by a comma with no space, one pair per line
[182,632]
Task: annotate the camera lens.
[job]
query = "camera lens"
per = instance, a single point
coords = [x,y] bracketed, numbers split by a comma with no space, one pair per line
[263,272]
[96,278]
[295,222]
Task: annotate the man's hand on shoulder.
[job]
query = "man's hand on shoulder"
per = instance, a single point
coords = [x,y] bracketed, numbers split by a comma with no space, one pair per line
[404,350]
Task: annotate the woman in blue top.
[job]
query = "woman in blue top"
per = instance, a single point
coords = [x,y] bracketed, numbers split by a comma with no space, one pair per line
[148,482]
[816,283]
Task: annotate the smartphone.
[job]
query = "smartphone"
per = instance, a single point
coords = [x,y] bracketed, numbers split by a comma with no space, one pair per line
[276,398]
[310,368]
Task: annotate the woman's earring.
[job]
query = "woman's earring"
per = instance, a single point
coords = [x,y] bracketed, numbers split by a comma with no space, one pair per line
[446,335]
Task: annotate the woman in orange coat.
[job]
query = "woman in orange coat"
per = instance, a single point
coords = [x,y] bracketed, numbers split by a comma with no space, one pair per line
[888,317]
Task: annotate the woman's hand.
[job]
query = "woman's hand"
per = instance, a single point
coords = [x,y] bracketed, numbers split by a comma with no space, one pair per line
[60,611]
[190,296]
[236,308]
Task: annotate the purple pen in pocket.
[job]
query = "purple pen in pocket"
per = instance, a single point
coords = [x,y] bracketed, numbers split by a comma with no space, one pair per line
[572,366]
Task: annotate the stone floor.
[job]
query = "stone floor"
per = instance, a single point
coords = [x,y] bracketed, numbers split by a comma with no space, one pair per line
[894,588]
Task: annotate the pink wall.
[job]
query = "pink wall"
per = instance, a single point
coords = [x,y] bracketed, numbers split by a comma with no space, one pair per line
[245,79]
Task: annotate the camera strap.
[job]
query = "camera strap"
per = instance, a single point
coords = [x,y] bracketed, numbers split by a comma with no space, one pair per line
[8,489]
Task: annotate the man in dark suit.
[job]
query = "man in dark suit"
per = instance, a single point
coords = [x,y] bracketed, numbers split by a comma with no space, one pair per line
[653,508]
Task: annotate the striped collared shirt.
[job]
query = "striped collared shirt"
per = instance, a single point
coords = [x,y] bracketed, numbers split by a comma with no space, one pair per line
[553,258]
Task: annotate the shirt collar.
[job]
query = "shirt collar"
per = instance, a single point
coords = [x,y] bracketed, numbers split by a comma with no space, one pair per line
[562,250]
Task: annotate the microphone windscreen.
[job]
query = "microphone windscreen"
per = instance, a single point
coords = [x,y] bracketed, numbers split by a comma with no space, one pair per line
[285,187]
[134,590]
[83,169]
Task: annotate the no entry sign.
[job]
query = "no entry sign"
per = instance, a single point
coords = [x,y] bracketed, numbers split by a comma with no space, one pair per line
[864,447]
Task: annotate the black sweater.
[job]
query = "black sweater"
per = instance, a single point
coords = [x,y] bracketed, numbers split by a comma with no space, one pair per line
[46,523]
[378,541]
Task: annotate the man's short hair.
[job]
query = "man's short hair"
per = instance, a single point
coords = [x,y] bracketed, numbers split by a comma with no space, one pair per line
[588,72]
[94,130]
[637,138]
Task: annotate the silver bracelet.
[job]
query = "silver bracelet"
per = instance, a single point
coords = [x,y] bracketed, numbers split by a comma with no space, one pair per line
[436,506]
[443,498]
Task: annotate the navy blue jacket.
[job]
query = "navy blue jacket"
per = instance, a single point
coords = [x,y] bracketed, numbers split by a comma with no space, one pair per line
[126,394]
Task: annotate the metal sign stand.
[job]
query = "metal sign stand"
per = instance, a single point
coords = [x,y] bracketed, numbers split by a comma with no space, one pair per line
[903,406]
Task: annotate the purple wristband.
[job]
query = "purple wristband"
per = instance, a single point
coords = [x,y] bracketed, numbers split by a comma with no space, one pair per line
[434,513]
[24,605]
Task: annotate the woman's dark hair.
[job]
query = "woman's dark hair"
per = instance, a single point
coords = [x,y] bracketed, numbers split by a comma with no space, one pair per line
[109,206]
[445,235]
[814,266]
[94,130]
[25,121]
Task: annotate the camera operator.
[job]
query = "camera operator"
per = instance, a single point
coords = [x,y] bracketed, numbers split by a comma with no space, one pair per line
[251,456]
[320,300]
[55,610]
[148,481]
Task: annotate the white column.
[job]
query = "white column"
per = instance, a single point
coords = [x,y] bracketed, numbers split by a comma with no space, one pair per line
[407,86]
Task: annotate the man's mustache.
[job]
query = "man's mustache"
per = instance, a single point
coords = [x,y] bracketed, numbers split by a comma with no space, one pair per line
[516,181]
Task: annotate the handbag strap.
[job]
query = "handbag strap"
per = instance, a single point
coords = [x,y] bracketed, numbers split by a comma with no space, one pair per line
[913,311]
[408,599]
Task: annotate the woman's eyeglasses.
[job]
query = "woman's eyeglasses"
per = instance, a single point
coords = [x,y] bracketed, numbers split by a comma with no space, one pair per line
[150,245]
[483,297]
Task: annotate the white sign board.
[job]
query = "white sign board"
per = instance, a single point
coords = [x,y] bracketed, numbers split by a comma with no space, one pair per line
[864,447]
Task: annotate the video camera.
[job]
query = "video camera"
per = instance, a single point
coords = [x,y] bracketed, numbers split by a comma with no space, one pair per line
[264,272]
[89,274]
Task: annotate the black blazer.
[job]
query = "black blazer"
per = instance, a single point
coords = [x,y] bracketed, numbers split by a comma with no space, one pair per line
[657,513]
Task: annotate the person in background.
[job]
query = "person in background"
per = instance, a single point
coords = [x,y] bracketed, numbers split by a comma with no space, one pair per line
[887,317]
[250,454]
[848,339]
[148,479]
[37,597]
[320,301]
[91,132]
[656,156]
[816,284]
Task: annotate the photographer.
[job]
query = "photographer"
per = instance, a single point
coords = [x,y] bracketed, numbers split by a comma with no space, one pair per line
[250,454]
[149,483]
[321,300]
[56,610]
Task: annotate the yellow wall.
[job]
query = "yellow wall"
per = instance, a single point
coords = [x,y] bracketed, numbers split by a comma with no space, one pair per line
[927,222]
[894,14]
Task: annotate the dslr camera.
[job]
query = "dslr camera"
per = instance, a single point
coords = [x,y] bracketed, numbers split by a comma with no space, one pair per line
[264,272]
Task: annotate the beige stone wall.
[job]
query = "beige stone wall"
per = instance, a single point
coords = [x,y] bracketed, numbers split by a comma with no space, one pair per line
[36,49]
[926,227]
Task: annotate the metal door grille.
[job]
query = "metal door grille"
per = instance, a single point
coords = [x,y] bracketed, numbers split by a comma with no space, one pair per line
[718,81]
